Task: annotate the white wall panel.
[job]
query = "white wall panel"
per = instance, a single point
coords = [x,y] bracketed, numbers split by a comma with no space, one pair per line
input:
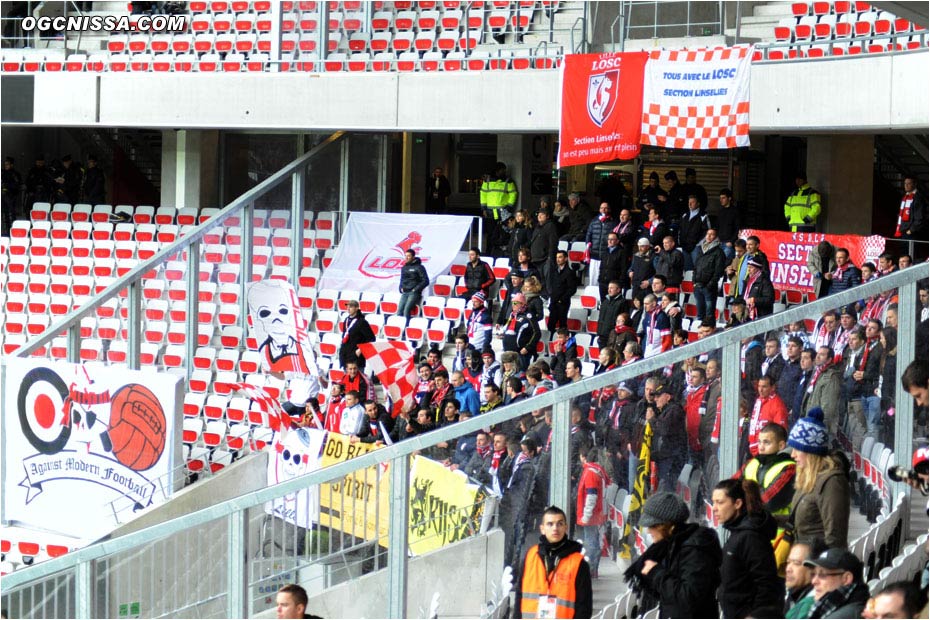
[851,94]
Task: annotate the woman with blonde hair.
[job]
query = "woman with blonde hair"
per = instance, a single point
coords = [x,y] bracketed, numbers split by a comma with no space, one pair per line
[820,507]
[533,288]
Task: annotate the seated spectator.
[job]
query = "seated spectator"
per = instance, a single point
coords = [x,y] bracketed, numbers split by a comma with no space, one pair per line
[510,367]
[739,313]
[464,393]
[846,275]
[492,398]
[353,415]
[379,428]
[839,591]
[564,349]
[536,383]
[478,275]
[423,423]
[799,596]
[901,599]
[622,333]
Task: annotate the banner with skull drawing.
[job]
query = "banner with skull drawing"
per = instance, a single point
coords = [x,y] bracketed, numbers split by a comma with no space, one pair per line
[86,446]
[294,453]
[283,339]
[371,254]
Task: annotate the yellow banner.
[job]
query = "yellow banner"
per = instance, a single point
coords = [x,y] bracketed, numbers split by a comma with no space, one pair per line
[358,503]
[442,505]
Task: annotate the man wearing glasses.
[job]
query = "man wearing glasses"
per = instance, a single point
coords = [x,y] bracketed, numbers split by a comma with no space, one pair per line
[839,591]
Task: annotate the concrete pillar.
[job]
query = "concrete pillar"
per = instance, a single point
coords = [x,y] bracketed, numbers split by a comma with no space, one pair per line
[529,162]
[180,168]
[841,168]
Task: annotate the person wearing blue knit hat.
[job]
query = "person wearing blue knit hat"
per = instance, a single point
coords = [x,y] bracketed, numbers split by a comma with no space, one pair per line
[820,507]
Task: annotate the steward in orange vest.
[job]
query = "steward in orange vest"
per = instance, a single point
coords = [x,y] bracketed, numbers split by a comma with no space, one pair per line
[556,581]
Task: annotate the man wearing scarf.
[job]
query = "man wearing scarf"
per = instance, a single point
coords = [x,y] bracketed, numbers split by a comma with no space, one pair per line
[866,371]
[825,330]
[441,391]
[758,290]
[379,428]
[617,434]
[846,275]
[807,365]
[355,331]
[626,233]
[768,408]
[334,408]
[521,332]
[656,332]
[847,325]
[610,307]
[824,388]
[654,228]
[478,326]
[596,240]
[912,215]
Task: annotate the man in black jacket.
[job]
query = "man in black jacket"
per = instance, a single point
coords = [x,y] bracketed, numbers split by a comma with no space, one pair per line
[355,331]
[611,305]
[579,216]
[613,264]
[413,281]
[543,243]
[692,229]
[379,428]
[760,294]
[95,187]
[728,222]
[709,265]
[670,263]
[670,438]
[478,275]
[562,285]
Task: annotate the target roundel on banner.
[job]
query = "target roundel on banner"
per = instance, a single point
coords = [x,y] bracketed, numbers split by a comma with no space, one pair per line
[40,404]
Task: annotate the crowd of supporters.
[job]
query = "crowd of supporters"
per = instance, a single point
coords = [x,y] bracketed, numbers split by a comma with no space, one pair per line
[802,387]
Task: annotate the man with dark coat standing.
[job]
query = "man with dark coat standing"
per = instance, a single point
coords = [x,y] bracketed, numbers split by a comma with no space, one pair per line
[611,306]
[438,191]
[95,186]
[759,292]
[709,264]
[562,285]
[355,332]
[543,243]
[613,264]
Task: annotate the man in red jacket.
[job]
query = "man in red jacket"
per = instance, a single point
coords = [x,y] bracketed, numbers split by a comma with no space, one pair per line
[591,513]
[768,408]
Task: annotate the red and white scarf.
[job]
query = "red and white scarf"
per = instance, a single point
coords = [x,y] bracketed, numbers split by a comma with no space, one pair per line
[904,213]
[818,371]
[751,306]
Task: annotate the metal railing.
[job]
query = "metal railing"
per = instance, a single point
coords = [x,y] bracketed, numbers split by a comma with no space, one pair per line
[656,28]
[224,525]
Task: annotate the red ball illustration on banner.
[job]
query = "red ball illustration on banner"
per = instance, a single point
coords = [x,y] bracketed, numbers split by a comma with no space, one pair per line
[137,427]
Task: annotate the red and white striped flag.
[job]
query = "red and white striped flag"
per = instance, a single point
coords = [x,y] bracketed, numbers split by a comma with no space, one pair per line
[271,409]
[394,365]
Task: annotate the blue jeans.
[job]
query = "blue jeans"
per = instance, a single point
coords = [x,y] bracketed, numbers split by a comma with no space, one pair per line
[668,471]
[408,301]
[873,413]
[591,537]
[706,300]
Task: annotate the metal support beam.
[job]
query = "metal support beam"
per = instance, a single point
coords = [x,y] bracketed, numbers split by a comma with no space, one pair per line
[134,326]
[560,485]
[274,54]
[343,183]
[382,173]
[237,545]
[298,183]
[84,590]
[406,175]
[729,415]
[397,538]
[193,304]
[322,31]
[245,265]
[904,403]
[74,343]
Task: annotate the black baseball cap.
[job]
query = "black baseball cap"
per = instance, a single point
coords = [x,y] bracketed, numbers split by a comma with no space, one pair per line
[837,559]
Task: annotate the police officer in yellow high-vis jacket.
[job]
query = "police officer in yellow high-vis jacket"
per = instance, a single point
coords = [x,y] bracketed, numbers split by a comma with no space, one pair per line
[498,199]
[802,206]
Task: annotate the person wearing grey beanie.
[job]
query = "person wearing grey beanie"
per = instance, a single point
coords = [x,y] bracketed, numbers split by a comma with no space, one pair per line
[680,570]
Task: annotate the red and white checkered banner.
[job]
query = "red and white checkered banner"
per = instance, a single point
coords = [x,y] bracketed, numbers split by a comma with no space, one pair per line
[787,253]
[697,99]
[394,365]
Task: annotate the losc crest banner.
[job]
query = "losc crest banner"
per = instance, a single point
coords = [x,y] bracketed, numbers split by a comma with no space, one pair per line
[602,102]
[371,253]
[86,446]
[697,99]
[787,253]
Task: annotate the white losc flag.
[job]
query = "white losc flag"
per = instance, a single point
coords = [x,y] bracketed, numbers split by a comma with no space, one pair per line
[371,253]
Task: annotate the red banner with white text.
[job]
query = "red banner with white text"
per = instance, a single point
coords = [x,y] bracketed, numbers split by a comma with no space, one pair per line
[602,106]
[787,253]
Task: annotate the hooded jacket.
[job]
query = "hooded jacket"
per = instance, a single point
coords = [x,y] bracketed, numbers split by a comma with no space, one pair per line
[467,398]
[413,277]
[709,265]
[749,582]
[824,512]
